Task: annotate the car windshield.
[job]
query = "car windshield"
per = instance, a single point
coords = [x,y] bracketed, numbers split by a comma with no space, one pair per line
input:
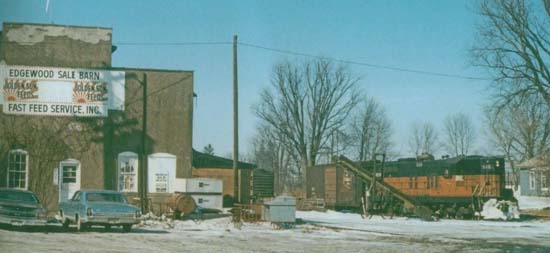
[105,197]
[18,196]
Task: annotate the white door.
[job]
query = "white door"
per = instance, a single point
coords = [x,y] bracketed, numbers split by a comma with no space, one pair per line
[69,179]
[161,172]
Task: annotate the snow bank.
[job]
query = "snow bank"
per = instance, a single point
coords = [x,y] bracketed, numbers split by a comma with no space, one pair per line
[533,203]
[499,210]
[456,229]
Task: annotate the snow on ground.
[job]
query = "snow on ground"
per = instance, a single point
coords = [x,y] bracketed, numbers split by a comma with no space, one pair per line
[532,203]
[323,232]
[443,230]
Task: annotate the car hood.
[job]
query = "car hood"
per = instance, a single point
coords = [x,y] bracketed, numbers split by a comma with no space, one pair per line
[111,207]
[20,204]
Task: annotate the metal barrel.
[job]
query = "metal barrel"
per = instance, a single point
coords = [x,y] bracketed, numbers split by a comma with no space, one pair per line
[182,203]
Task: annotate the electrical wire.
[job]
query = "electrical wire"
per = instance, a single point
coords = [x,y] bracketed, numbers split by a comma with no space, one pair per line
[149,94]
[289,52]
[372,65]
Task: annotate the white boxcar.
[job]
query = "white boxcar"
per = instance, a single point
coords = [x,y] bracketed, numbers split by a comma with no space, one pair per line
[209,201]
[199,185]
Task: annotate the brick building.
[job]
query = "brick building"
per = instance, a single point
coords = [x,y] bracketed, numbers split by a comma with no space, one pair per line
[70,120]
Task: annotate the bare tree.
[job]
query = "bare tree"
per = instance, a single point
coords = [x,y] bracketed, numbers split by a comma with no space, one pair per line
[371,130]
[423,139]
[514,45]
[47,143]
[521,129]
[272,152]
[305,102]
[459,134]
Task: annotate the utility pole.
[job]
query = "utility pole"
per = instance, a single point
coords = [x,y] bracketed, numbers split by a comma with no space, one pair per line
[143,172]
[235,123]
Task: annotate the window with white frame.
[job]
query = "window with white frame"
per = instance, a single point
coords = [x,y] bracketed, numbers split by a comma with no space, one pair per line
[127,172]
[69,174]
[18,168]
[532,180]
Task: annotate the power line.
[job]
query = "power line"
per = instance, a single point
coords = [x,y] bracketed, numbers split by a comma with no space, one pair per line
[282,51]
[393,68]
[150,94]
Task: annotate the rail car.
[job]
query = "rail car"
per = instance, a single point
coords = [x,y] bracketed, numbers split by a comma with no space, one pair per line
[444,185]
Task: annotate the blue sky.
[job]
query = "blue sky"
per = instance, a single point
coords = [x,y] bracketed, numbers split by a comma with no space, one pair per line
[424,35]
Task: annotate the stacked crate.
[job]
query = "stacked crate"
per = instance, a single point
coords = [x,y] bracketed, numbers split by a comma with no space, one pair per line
[207,192]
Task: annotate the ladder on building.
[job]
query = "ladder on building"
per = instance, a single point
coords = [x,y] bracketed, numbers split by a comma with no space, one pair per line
[409,203]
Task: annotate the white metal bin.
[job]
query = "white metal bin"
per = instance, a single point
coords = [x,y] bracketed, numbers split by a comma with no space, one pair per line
[280,209]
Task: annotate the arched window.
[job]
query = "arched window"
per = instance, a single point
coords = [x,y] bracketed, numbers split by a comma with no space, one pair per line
[127,172]
[18,169]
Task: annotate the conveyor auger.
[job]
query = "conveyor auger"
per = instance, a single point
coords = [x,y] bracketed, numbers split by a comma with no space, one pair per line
[409,203]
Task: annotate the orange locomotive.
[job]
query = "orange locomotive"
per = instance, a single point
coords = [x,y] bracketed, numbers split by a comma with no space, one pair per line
[461,180]
[450,183]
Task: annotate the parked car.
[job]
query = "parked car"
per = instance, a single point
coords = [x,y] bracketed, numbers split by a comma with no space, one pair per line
[98,207]
[21,208]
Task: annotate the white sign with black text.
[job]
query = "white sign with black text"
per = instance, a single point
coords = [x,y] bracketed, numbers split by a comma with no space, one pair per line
[49,91]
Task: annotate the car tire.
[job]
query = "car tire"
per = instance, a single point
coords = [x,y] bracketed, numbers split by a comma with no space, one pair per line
[79,225]
[64,221]
[127,228]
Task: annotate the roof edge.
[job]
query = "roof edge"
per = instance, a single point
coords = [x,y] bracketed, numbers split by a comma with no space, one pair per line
[57,25]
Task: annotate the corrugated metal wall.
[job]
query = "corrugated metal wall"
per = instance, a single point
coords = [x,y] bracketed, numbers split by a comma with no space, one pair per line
[262,183]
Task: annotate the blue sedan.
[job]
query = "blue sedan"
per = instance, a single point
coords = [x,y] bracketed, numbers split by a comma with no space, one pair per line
[21,208]
[99,207]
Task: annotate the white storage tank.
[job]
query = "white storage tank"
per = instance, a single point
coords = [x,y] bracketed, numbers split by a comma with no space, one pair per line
[161,172]
[199,185]
[281,209]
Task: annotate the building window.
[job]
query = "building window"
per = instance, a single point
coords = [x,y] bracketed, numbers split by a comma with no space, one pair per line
[69,174]
[543,182]
[127,172]
[532,178]
[161,182]
[18,168]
